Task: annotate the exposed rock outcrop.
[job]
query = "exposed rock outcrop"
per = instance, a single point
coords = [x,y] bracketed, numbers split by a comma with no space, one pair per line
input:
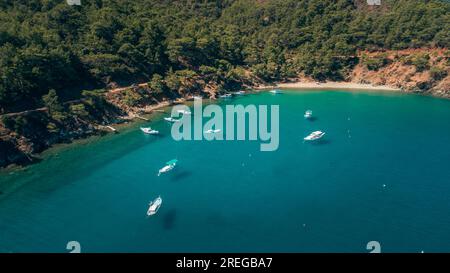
[413,70]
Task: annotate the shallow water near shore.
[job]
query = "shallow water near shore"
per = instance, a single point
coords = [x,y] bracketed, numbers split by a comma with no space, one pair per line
[380,174]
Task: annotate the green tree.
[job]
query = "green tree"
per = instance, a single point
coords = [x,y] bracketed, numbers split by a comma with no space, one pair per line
[438,73]
[172,81]
[157,84]
[55,108]
[79,111]
[51,101]
[132,98]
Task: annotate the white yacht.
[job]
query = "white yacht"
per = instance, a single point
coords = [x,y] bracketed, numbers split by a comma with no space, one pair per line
[184,112]
[169,166]
[276,91]
[308,114]
[154,206]
[239,93]
[149,131]
[314,136]
[211,131]
[171,119]
[225,96]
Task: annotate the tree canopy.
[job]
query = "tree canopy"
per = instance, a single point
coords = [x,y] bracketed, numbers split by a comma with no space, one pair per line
[48,44]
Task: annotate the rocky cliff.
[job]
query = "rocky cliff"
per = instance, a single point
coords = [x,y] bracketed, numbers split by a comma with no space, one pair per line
[412,70]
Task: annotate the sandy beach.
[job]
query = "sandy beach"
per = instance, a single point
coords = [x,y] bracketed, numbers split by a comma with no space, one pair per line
[331,85]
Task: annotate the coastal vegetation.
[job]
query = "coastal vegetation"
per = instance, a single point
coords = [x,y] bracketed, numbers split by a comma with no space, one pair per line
[62,66]
[438,73]
[375,62]
[51,45]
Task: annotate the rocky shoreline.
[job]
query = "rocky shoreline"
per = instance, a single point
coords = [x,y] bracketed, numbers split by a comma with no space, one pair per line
[21,150]
[390,70]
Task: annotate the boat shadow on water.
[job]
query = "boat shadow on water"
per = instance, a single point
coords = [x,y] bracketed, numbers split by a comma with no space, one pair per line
[312,119]
[178,175]
[320,142]
[169,218]
[159,135]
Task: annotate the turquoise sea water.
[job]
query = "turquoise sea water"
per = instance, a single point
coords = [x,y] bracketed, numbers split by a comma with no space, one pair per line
[230,197]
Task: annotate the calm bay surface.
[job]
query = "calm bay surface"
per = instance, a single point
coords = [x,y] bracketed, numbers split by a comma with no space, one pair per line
[380,174]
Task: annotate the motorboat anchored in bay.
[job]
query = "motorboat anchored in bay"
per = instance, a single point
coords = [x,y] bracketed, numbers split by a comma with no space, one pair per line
[308,114]
[211,131]
[314,136]
[276,91]
[154,206]
[171,119]
[149,131]
[225,96]
[170,165]
[184,112]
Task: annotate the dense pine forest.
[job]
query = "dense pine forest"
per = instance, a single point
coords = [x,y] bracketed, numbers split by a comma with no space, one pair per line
[50,45]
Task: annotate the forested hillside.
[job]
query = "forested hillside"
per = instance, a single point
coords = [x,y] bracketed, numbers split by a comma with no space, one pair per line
[48,44]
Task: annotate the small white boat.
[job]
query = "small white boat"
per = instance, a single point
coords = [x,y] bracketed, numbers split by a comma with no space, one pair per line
[239,93]
[165,169]
[276,91]
[226,96]
[154,206]
[169,166]
[149,131]
[184,112]
[314,136]
[308,114]
[171,119]
[211,131]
